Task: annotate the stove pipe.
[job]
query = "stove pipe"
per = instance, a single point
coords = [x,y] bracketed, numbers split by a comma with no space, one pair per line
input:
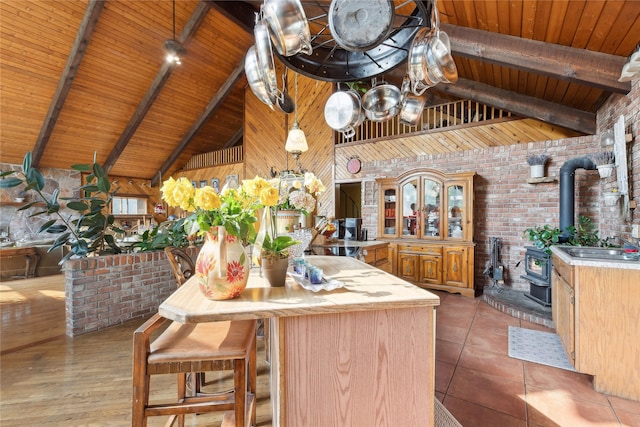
[567,191]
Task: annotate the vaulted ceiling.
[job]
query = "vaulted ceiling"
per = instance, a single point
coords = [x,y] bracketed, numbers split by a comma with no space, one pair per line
[79,77]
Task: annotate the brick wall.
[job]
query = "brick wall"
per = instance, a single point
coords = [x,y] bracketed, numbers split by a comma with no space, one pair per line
[108,290]
[505,204]
[629,107]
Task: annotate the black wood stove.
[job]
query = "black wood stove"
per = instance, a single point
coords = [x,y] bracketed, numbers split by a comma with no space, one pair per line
[538,273]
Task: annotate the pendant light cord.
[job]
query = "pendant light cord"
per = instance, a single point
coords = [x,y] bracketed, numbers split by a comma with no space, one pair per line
[174,19]
[295,110]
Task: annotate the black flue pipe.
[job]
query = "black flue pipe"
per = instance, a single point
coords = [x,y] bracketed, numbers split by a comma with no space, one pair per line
[568,192]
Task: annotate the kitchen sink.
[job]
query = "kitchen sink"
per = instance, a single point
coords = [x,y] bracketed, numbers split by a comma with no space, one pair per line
[610,254]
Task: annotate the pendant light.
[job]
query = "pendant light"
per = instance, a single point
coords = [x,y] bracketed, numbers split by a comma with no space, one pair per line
[296,140]
[173,47]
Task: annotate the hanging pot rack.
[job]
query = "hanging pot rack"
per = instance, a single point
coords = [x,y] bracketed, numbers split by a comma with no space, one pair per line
[332,63]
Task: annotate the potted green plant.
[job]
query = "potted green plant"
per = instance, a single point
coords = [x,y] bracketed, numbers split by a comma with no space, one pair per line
[584,234]
[274,257]
[604,161]
[92,230]
[543,237]
[536,163]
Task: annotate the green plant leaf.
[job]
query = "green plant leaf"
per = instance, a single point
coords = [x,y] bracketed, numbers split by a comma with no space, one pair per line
[10,182]
[26,162]
[57,228]
[78,206]
[34,176]
[81,168]
[46,225]
[103,184]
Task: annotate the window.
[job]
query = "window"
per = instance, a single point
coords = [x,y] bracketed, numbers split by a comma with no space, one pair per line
[129,206]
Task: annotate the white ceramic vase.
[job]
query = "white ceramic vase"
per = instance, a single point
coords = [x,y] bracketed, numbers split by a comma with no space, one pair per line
[536,171]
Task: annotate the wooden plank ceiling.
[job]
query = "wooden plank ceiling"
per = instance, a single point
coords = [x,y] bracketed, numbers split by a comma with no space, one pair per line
[79,77]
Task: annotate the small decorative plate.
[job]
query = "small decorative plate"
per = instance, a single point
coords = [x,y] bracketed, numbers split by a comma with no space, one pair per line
[328,284]
[354,165]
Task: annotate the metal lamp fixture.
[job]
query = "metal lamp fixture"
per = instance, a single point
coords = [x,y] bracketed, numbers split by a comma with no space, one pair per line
[173,47]
[296,140]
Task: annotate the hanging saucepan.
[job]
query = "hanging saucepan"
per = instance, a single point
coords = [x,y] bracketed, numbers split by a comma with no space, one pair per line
[289,27]
[440,49]
[265,56]
[412,106]
[255,78]
[343,112]
[358,26]
[381,102]
[416,62]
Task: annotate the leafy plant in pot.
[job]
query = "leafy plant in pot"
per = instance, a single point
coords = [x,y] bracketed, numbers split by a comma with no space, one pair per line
[585,234]
[274,256]
[536,163]
[92,230]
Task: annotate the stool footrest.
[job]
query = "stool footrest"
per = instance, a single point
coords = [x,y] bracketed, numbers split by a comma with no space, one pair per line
[229,419]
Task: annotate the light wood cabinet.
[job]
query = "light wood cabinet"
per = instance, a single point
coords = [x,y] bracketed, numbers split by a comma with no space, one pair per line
[563,307]
[595,315]
[429,215]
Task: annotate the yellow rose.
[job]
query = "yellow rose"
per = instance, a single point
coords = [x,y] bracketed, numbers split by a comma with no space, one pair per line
[255,186]
[167,192]
[183,194]
[269,196]
[206,198]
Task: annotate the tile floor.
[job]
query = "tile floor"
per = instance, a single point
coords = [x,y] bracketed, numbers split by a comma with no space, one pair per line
[483,387]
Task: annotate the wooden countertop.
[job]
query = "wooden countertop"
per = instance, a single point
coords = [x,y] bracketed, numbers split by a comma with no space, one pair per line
[366,288]
[354,244]
[17,251]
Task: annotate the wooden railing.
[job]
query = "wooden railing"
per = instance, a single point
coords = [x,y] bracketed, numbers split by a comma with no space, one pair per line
[434,117]
[216,158]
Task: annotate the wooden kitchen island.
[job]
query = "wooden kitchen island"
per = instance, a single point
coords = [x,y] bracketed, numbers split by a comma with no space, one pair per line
[360,355]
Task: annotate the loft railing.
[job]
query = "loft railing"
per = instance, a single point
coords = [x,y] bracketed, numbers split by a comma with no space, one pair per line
[216,158]
[434,117]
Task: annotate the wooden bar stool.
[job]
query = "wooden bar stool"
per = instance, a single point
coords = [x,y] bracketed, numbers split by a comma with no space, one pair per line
[185,348]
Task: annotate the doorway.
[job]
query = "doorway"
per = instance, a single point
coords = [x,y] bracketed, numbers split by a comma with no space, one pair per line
[349,200]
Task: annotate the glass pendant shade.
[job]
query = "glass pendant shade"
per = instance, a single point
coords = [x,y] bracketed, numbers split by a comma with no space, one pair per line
[296,141]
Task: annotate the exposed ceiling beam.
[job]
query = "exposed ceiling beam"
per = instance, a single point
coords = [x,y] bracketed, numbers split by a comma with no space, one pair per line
[582,66]
[213,105]
[240,12]
[236,138]
[191,27]
[571,118]
[85,31]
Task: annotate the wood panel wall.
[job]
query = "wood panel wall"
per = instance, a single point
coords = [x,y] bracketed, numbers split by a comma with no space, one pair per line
[496,133]
[265,134]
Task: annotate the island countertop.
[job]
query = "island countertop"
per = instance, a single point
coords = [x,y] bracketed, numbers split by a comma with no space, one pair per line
[366,244]
[365,288]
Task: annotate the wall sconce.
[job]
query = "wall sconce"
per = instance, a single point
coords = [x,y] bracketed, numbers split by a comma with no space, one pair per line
[607,139]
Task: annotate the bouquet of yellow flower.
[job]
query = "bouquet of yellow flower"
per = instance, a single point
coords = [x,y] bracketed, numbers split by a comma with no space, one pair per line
[235,209]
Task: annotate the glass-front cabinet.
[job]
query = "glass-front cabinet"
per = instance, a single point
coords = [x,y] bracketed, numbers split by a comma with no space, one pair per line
[427,215]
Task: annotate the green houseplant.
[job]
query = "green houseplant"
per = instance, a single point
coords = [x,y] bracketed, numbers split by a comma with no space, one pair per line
[92,230]
[585,234]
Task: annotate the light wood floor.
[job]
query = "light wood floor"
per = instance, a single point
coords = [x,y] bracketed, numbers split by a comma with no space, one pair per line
[48,379]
